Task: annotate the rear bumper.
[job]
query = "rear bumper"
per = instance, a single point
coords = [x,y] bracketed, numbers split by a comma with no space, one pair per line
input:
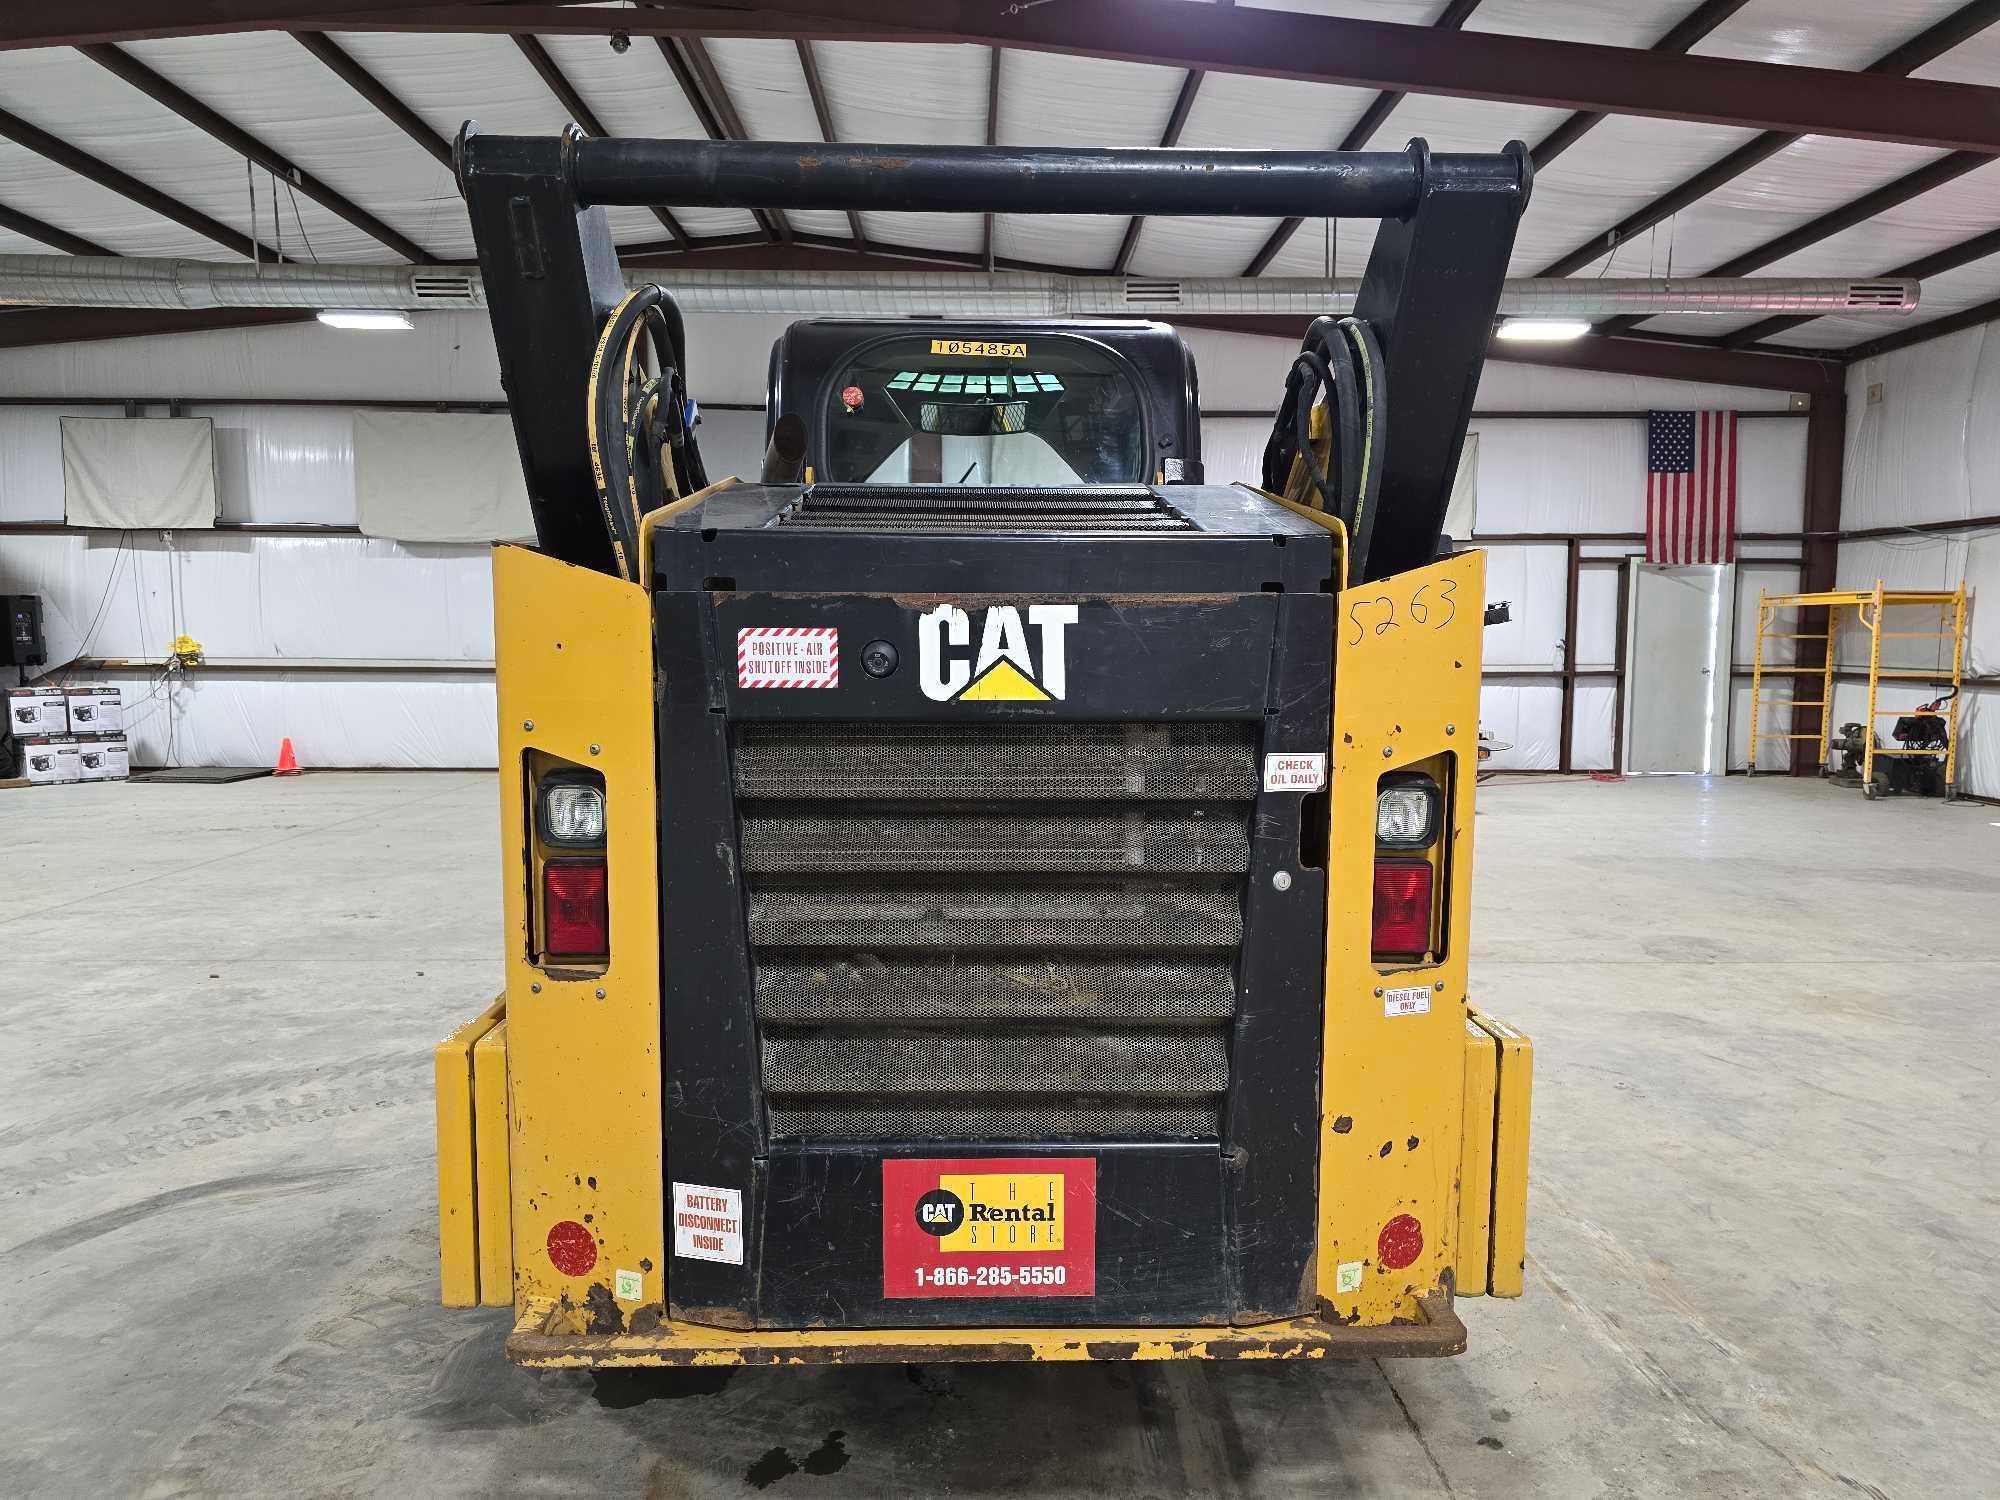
[538,1343]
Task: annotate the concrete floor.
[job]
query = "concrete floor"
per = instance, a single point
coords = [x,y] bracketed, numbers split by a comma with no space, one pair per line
[1765,1204]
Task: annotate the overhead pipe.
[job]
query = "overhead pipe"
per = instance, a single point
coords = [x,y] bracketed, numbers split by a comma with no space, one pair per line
[133,282]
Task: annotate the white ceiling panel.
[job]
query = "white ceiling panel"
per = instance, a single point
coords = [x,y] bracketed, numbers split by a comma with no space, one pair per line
[915,91]
[72,97]
[1973,61]
[1083,242]
[37,186]
[964,233]
[1942,217]
[1320,247]
[269,85]
[1816,34]
[1808,178]
[1620,166]
[1199,247]
[1271,114]
[1049,99]
[1630,23]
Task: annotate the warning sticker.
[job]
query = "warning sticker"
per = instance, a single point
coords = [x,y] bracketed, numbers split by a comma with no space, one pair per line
[1294,773]
[990,1227]
[1413,1001]
[708,1223]
[788,656]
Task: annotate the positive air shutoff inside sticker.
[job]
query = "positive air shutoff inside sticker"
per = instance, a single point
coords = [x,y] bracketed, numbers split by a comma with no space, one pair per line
[990,1227]
[788,656]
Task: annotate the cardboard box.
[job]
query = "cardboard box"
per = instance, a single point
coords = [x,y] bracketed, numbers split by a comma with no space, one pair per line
[95,709]
[108,758]
[48,761]
[36,712]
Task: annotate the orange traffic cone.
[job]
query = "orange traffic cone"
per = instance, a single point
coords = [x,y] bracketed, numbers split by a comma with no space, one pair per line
[288,763]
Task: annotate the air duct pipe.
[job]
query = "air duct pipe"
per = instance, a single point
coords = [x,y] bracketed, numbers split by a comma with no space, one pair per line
[119,281]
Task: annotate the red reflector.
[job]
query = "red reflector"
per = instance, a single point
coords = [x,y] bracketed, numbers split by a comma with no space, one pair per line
[1402,906]
[575,914]
[1400,1242]
[571,1249]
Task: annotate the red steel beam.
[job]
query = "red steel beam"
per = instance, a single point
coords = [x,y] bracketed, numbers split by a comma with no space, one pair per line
[1318,49]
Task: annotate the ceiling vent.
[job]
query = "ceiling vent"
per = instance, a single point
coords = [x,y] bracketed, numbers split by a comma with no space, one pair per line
[1880,294]
[1152,293]
[444,286]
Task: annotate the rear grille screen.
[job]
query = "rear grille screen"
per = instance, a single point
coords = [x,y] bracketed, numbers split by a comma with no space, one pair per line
[995,932]
[945,508]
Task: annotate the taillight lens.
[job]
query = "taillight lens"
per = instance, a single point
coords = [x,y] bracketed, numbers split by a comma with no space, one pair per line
[1402,908]
[576,916]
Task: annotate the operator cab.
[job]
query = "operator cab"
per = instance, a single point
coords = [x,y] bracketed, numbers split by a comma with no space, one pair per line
[1018,404]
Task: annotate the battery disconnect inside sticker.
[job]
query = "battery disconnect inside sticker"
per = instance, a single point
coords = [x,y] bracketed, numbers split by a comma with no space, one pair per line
[1294,772]
[788,656]
[1413,1001]
[708,1223]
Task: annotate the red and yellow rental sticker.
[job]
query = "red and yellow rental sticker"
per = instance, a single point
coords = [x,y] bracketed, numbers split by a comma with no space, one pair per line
[990,1227]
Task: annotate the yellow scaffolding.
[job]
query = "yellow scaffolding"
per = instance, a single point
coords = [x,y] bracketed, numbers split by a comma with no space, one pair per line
[1868,605]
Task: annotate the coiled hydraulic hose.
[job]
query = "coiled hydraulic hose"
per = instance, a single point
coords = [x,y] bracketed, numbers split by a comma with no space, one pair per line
[640,422]
[1325,449]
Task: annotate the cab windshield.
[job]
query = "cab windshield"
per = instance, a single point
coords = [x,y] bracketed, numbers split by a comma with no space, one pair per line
[1048,409]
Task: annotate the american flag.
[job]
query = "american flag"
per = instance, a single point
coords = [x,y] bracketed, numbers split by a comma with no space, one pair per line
[1690,486]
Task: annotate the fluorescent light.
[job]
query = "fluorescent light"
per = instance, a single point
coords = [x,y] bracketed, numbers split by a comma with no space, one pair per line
[1544,330]
[343,317]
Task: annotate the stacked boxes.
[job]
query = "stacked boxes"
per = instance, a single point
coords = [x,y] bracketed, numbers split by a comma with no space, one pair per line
[68,734]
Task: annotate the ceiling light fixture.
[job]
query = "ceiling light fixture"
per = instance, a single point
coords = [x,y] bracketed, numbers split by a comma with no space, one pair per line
[373,319]
[1543,330]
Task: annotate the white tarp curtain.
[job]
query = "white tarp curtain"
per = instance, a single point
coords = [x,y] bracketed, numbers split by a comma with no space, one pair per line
[139,472]
[439,477]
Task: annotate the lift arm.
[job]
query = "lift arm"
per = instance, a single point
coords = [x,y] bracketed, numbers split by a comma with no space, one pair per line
[1433,281]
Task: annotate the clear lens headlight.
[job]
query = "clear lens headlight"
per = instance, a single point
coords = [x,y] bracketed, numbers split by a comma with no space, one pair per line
[573,814]
[1406,813]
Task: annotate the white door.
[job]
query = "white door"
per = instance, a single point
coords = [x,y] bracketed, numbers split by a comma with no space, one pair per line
[1677,668]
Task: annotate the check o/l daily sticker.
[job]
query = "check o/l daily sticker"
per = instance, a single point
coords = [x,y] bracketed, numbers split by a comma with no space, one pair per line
[1295,772]
[788,656]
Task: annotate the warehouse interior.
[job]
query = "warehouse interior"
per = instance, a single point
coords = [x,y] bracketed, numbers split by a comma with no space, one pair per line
[1750,959]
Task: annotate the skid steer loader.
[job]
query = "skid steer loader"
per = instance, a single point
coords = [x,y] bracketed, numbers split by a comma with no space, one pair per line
[977,891]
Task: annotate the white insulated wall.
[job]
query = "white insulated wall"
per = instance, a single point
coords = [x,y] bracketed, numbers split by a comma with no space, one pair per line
[1923,445]
[411,626]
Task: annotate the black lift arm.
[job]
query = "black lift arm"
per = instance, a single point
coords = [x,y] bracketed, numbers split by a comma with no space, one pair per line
[1425,310]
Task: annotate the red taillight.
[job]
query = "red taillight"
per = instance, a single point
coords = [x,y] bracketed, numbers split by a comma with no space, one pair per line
[576,917]
[1402,907]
